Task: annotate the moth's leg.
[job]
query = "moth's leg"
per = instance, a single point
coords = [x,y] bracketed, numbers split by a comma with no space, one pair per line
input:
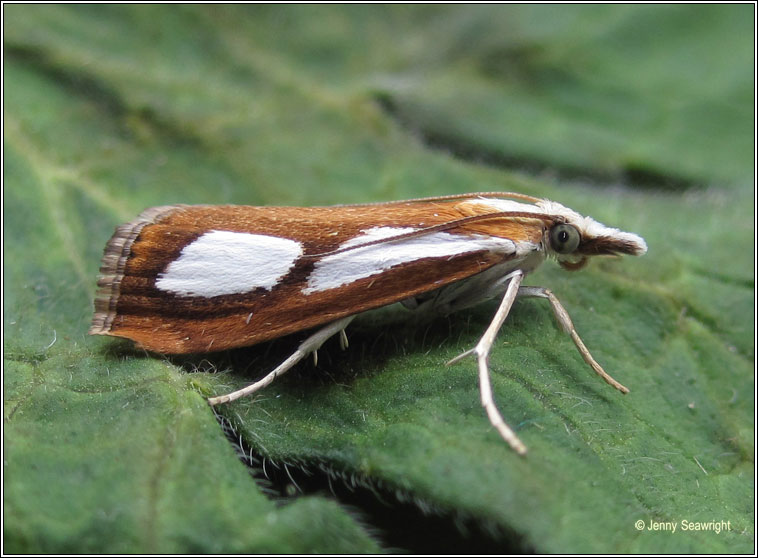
[482,352]
[310,345]
[567,325]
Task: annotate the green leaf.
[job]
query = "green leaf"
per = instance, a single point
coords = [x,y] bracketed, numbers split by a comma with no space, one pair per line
[113,108]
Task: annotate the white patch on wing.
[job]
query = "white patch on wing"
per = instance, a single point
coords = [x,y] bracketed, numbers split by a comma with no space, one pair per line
[226,262]
[340,269]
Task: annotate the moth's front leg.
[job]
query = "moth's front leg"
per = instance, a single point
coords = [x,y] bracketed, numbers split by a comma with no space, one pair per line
[568,326]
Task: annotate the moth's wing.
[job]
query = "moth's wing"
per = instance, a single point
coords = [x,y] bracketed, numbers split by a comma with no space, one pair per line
[224,297]
[451,197]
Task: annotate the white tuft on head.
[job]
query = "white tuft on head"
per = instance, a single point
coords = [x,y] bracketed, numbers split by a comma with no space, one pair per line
[591,229]
[628,243]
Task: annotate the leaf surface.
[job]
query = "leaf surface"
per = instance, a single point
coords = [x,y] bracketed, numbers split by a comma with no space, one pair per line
[642,112]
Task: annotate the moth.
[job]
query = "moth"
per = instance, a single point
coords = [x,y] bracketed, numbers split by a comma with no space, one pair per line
[200,278]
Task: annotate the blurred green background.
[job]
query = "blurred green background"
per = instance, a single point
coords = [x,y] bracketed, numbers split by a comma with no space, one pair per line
[641,116]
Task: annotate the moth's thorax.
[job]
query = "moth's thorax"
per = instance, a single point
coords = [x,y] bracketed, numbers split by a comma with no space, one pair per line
[480,287]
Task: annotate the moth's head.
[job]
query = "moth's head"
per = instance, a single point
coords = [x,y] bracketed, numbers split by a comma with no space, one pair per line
[573,238]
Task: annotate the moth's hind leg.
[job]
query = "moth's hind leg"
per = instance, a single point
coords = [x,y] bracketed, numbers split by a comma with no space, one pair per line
[310,345]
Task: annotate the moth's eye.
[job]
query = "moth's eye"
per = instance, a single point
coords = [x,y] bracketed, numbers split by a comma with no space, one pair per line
[564,239]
